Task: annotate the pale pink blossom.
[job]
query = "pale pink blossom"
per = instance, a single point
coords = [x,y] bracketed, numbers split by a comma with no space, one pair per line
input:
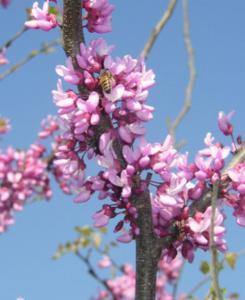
[224,122]
[105,262]
[3,58]
[98,15]
[41,18]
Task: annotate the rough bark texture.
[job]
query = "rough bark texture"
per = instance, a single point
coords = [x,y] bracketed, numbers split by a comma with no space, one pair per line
[147,249]
[72,28]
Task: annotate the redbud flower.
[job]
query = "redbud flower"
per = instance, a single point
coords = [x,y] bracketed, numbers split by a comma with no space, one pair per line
[224,123]
[41,18]
[105,262]
[3,58]
[98,15]
[4,125]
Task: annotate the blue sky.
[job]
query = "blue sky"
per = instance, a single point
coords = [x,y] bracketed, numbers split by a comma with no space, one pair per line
[218,37]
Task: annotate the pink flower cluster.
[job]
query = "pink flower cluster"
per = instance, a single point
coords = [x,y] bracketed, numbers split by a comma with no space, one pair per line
[123,287]
[42,18]
[121,112]
[98,15]
[126,108]
[23,174]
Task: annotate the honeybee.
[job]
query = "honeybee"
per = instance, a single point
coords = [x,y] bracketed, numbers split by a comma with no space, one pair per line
[105,80]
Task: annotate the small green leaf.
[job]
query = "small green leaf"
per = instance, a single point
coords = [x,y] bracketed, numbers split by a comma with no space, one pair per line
[53,10]
[204,267]
[231,259]
[85,230]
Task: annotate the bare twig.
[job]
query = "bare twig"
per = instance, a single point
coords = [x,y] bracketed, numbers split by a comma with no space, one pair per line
[206,279]
[213,249]
[192,71]
[158,28]
[44,49]
[12,39]
[93,272]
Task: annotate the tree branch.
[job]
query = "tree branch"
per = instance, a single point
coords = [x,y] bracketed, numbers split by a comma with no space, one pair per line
[192,71]
[207,278]
[72,28]
[158,28]
[93,273]
[44,49]
[148,251]
[12,39]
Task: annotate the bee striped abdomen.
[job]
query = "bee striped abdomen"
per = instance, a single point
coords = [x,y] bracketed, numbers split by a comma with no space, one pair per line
[105,81]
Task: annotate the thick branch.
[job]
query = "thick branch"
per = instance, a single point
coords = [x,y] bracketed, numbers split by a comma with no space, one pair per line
[192,71]
[147,249]
[158,28]
[72,28]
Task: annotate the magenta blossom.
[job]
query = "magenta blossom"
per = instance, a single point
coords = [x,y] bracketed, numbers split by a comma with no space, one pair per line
[41,18]
[224,122]
[98,15]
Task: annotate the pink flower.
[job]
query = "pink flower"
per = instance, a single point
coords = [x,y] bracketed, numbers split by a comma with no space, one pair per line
[4,125]
[3,58]
[200,227]
[49,126]
[224,123]
[100,219]
[237,175]
[41,18]
[98,15]
[105,262]
[69,74]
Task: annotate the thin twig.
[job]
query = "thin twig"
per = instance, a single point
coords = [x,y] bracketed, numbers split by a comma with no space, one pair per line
[12,39]
[192,71]
[158,28]
[212,246]
[207,278]
[93,272]
[44,49]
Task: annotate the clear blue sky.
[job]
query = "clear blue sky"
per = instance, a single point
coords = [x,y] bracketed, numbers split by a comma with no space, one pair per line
[218,36]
